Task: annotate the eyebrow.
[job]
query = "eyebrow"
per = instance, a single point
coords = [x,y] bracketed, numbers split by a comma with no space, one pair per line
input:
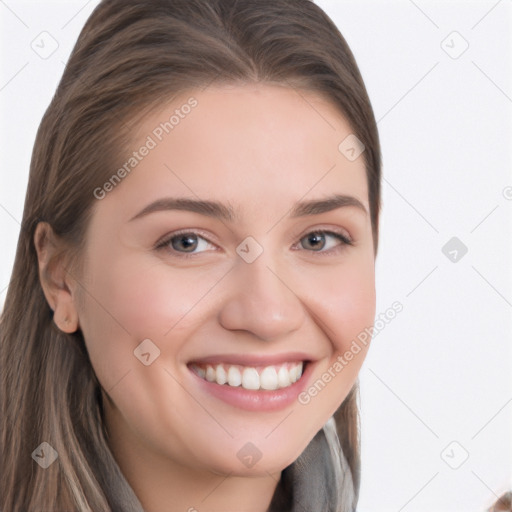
[221,211]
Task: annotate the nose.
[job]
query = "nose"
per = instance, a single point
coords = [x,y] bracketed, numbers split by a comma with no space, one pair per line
[261,301]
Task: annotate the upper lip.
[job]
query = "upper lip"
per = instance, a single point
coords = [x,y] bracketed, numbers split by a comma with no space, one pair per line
[253,359]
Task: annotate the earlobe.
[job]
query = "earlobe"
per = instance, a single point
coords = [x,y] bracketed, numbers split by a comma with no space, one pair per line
[65,315]
[55,279]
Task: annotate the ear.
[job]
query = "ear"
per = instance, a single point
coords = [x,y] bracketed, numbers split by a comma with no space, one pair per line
[57,283]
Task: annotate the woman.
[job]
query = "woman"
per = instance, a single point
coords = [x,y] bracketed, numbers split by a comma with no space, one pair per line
[194,279]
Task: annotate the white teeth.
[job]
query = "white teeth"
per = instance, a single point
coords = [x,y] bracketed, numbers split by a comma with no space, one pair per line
[283,377]
[222,378]
[201,372]
[250,379]
[295,373]
[268,378]
[234,376]
[210,374]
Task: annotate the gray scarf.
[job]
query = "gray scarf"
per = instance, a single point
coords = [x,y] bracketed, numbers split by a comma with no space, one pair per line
[320,480]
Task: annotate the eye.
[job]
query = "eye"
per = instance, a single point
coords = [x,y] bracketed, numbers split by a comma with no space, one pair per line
[322,240]
[186,242]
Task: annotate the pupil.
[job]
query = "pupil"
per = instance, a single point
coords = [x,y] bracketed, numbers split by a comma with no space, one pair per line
[315,240]
[188,242]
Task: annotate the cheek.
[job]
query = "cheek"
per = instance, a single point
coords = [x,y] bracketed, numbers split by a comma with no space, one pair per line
[345,300]
[134,300]
[344,306]
[355,306]
[341,300]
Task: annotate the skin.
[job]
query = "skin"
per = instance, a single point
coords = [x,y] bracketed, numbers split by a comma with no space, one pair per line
[260,149]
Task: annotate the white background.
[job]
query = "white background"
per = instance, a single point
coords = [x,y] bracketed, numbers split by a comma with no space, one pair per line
[441,370]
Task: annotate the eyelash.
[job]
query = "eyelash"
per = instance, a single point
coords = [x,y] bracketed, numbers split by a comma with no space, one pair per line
[164,244]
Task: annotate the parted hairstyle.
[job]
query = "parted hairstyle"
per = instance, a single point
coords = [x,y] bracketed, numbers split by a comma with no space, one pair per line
[131,57]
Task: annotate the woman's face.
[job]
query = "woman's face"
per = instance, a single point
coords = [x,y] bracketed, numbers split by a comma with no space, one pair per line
[206,262]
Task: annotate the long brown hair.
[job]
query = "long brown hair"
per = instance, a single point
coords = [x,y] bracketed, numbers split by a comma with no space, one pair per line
[130,57]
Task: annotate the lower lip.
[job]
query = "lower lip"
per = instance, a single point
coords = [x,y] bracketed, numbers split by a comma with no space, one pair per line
[261,400]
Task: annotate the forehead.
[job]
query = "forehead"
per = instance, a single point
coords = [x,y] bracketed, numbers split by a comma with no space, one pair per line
[254,146]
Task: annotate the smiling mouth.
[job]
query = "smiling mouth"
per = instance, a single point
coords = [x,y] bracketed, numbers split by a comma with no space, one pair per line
[266,378]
